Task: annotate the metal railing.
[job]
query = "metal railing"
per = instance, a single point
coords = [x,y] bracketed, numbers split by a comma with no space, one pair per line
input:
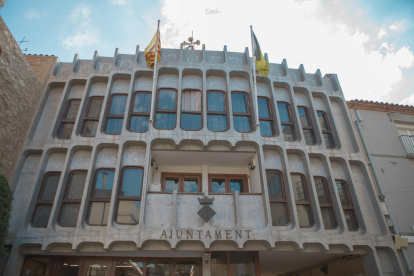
[408,141]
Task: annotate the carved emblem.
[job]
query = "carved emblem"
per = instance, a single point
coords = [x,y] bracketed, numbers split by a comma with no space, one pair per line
[206,213]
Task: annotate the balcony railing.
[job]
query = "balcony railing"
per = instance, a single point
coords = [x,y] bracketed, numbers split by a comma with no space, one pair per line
[408,141]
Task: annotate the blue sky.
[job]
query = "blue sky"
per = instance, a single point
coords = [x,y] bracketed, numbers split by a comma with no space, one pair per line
[368,43]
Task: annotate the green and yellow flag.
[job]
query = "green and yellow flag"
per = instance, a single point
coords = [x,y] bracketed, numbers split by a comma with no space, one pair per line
[262,67]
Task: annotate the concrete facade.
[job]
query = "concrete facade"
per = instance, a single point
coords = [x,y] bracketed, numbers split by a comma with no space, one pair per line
[388,131]
[169,226]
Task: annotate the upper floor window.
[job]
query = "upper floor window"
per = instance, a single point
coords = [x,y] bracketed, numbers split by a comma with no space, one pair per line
[100,197]
[115,116]
[326,129]
[68,120]
[181,182]
[303,204]
[129,196]
[265,117]
[325,203]
[191,118]
[140,112]
[288,127]
[91,118]
[45,199]
[222,183]
[166,111]
[69,211]
[347,205]
[216,111]
[307,126]
[277,197]
[242,118]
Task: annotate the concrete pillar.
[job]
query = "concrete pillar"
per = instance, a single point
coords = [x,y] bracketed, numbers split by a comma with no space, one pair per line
[371,264]
[206,264]
[15,263]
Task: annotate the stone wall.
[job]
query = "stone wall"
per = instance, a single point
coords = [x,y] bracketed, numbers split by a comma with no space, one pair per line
[42,66]
[20,92]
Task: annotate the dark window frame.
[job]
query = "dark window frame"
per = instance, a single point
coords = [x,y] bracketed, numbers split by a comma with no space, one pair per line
[240,114]
[192,112]
[220,113]
[44,202]
[167,111]
[98,199]
[305,202]
[70,201]
[127,198]
[290,123]
[269,107]
[227,178]
[113,116]
[329,129]
[351,207]
[67,121]
[181,177]
[139,114]
[308,127]
[284,194]
[256,261]
[85,118]
[326,205]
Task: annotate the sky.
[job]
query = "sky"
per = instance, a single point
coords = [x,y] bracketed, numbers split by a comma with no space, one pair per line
[369,44]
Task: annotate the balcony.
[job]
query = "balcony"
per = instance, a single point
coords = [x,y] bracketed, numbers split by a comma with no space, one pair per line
[408,142]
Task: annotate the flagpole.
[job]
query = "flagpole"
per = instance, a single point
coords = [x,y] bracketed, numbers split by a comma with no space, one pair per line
[254,79]
[154,80]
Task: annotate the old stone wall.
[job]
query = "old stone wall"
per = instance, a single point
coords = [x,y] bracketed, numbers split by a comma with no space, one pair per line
[42,66]
[20,92]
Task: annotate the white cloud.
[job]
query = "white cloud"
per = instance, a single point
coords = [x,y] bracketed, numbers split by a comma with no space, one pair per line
[409,100]
[382,33]
[118,2]
[398,26]
[326,35]
[83,33]
[32,14]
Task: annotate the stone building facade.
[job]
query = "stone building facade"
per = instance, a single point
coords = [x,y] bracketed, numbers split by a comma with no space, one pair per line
[388,130]
[221,181]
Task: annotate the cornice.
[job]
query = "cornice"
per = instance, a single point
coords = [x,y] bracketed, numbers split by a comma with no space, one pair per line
[383,107]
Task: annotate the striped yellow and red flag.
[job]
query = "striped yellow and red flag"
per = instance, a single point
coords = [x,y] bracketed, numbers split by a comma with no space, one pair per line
[150,50]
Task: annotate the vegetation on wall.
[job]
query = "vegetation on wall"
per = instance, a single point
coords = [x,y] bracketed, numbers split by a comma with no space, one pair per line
[6,198]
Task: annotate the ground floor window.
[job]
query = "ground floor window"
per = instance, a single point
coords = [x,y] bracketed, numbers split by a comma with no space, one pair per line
[234,263]
[110,266]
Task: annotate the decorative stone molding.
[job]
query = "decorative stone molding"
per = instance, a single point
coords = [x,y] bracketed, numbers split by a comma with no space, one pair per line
[380,106]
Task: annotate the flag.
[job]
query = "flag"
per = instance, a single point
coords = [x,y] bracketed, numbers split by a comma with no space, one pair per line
[150,50]
[262,67]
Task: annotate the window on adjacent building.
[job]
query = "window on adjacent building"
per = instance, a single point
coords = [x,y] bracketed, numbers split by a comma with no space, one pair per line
[115,116]
[228,183]
[242,119]
[68,120]
[303,204]
[233,263]
[140,112]
[325,203]
[288,127]
[100,197]
[326,129]
[45,200]
[181,182]
[307,126]
[265,117]
[91,118]
[129,196]
[277,197]
[216,111]
[72,198]
[347,206]
[166,111]
[191,116]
